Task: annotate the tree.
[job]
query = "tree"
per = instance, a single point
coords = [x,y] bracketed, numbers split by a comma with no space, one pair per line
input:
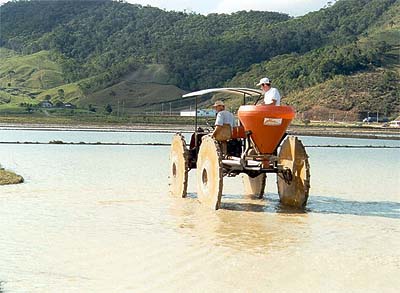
[59,104]
[61,94]
[108,108]
[10,74]
[91,108]
[29,108]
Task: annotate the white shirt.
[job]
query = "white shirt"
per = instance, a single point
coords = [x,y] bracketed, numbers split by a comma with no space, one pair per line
[270,95]
[224,117]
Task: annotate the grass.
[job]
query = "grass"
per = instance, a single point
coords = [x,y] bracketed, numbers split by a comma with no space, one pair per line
[145,89]
[8,177]
[35,71]
[30,78]
[72,93]
[25,78]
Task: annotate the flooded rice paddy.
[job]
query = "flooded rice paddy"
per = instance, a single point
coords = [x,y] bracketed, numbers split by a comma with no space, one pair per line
[99,219]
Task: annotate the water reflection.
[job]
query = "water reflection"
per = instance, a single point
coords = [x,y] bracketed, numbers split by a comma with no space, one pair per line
[262,225]
[240,225]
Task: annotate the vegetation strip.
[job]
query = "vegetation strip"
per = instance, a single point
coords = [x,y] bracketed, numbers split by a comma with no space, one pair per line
[354,146]
[58,142]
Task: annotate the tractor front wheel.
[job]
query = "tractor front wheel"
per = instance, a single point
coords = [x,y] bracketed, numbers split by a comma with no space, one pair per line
[209,173]
[179,166]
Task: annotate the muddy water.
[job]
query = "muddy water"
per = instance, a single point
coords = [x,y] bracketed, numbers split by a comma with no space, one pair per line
[99,219]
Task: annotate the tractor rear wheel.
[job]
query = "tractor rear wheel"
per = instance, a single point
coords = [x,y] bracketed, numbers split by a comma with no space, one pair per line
[209,173]
[294,179]
[179,166]
[254,186]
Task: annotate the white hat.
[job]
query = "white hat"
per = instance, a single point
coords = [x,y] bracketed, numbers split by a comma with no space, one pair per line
[264,80]
[218,103]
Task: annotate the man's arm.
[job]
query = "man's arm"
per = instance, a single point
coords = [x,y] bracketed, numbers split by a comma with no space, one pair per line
[275,97]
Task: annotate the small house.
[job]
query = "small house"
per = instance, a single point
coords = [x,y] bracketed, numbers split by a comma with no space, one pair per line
[395,124]
[69,106]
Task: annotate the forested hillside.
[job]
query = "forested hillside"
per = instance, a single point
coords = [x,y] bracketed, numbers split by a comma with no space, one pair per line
[106,52]
[342,80]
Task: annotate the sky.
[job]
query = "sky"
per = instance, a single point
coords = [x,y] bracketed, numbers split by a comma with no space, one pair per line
[291,7]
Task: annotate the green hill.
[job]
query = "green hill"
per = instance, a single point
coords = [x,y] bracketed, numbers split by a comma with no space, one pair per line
[343,81]
[30,71]
[28,79]
[141,59]
[142,90]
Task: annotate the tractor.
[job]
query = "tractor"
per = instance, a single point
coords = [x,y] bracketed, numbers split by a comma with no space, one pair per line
[252,151]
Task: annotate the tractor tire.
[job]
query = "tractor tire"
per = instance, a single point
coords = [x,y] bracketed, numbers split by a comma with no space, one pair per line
[179,166]
[209,173]
[294,180]
[254,187]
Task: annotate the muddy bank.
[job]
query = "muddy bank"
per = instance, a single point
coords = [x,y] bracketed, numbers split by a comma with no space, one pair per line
[369,132]
[8,177]
[348,132]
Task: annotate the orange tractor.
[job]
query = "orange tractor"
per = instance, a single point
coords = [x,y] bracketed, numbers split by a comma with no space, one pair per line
[252,151]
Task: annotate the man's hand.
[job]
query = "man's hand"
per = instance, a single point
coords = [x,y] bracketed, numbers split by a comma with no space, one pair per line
[216,130]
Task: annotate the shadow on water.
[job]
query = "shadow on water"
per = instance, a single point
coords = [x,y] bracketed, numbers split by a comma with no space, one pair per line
[332,205]
[266,205]
[243,207]
[319,205]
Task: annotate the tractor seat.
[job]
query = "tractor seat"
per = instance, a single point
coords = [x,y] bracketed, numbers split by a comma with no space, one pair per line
[238,132]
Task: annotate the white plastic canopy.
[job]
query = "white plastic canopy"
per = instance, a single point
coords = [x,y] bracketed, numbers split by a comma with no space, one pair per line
[238,91]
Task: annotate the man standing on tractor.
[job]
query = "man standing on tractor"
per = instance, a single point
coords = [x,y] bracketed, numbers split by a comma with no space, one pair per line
[271,94]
